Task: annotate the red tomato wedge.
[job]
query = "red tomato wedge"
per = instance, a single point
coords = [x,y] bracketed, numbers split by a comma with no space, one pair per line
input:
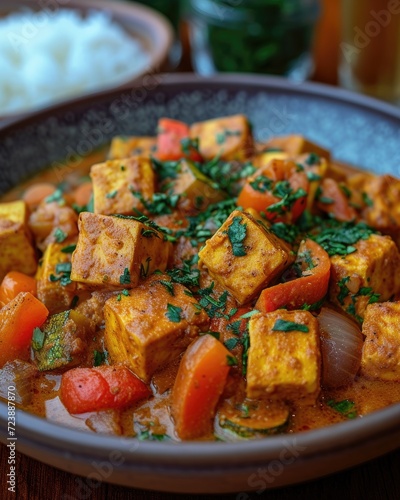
[332,200]
[170,147]
[18,319]
[278,190]
[100,388]
[309,288]
[15,283]
[198,386]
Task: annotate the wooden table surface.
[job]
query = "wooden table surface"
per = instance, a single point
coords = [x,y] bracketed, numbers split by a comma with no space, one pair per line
[376,480]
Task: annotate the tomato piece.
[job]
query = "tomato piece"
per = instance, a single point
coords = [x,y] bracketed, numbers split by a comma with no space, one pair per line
[198,386]
[101,388]
[332,200]
[309,288]
[18,319]
[170,135]
[14,283]
[278,190]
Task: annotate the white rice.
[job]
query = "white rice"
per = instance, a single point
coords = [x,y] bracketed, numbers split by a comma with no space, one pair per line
[49,56]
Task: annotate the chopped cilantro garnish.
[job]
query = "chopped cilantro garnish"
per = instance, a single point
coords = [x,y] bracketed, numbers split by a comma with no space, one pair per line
[111,195]
[236,234]
[231,343]
[63,274]
[367,200]
[313,159]
[231,360]
[168,285]
[144,268]
[287,232]
[98,358]
[343,290]
[125,278]
[188,144]
[346,407]
[161,203]
[261,183]
[57,196]
[148,435]
[174,313]
[282,325]
[60,235]
[37,339]
[68,249]
[312,176]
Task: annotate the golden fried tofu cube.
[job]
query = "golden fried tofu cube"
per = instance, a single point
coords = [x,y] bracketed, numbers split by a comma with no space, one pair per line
[284,356]
[262,159]
[244,256]
[229,138]
[195,189]
[17,252]
[296,145]
[152,326]
[381,351]
[117,251]
[124,147]
[53,288]
[115,181]
[368,274]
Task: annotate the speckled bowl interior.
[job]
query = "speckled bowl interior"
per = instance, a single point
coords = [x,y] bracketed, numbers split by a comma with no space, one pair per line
[358,130]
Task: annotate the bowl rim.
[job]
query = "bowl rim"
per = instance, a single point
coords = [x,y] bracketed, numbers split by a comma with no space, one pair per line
[39,432]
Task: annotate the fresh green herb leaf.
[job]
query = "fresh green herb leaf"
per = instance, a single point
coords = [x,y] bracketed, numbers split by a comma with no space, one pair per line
[287,232]
[60,235]
[112,195]
[231,360]
[174,313]
[231,343]
[69,249]
[168,285]
[261,183]
[125,278]
[188,145]
[313,159]
[367,200]
[38,339]
[312,176]
[57,196]
[236,234]
[98,358]
[346,407]
[144,268]
[282,325]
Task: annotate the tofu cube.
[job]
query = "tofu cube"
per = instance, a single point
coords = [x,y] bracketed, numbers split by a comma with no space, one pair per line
[244,256]
[51,289]
[195,189]
[296,145]
[17,251]
[368,274]
[151,327]
[229,138]
[284,362]
[114,181]
[124,147]
[117,251]
[381,350]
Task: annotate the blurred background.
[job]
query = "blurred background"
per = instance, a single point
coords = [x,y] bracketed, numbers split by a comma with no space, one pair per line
[49,56]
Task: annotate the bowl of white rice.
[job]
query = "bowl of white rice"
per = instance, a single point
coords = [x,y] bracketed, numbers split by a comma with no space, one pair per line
[55,50]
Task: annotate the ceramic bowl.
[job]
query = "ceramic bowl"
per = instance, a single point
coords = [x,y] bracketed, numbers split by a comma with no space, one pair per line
[358,131]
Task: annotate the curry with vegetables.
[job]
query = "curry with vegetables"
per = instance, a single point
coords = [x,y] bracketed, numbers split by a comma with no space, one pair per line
[200,285]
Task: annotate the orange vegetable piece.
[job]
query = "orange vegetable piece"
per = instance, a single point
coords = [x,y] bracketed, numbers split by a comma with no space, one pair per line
[169,137]
[101,388]
[14,283]
[36,193]
[270,186]
[198,386]
[18,319]
[333,201]
[309,288]
[83,193]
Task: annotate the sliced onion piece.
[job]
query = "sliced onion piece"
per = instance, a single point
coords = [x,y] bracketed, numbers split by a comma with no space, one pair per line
[341,346]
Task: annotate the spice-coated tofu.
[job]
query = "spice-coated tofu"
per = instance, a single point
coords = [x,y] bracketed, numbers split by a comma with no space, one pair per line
[244,256]
[195,189]
[115,181]
[53,287]
[17,252]
[383,208]
[116,251]
[284,356]
[152,326]
[371,273]
[229,138]
[124,147]
[381,350]
[296,145]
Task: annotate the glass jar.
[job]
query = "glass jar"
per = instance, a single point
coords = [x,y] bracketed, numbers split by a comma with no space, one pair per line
[253,36]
